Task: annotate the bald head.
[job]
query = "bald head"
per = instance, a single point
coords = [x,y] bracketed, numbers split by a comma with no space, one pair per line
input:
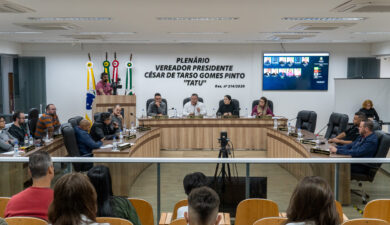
[85,124]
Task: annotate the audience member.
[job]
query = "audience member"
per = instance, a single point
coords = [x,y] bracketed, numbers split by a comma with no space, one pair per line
[368,109]
[312,203]
[35,200]
[3,222]
[228,108]
[84,140]
[350,135]
[262,109]
[74,201]
[103,87]
[203,206]
[117,116]
[191,181]
[48,123]
[6,139]
[104,128]
[107,204]
[194,107]
[157,107]
[18,128]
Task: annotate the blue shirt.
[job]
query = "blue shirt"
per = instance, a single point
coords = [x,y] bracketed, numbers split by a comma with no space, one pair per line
[362,147]
[85,142]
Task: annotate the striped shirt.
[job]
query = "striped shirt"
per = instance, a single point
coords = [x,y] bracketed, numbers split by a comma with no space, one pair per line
[46,123]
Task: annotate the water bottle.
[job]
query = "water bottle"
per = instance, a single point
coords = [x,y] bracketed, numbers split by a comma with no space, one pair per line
[25,140]
[275,124]
[288,127]
[16,149]
[247,113]
[31,140]
[124,129]
[213,113]
[120,136]
[143,113]
[299,134]
[114,145]
[132,130]
[317,141]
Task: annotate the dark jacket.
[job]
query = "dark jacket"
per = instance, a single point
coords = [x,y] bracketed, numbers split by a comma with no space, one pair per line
[18,133]
[362,147]
[100,130]
[371,113]
[85,142]
[228,108]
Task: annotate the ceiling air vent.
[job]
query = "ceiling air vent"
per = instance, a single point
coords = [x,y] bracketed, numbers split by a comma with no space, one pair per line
[291,37]
[320,26]
[364,6]
[10,7]
[48,26]
[85,37]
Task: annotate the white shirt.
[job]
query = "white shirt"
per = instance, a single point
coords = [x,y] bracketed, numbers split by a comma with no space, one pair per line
[189,108]
[181,211]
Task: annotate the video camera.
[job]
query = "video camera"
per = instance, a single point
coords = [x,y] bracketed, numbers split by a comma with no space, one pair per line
[223,139]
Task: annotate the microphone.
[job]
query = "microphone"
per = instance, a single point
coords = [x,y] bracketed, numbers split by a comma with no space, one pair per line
[322,129]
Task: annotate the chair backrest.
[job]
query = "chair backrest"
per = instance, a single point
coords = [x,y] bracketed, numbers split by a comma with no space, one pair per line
[113,221]
[270,221]
[189,99]
[337,124]
[75,121]
[33,113]
[180,221]
[339,209]
[365,222]
[33,116]
[234,102]
[307,120]
[70,140]
[150,100]
[250,210]
[381,152]
[270,104]
[25,220]
[183,202]
[144,210]
[378,209]
[3,205]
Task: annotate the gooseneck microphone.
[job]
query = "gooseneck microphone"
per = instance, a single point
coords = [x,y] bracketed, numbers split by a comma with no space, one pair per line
[322,129]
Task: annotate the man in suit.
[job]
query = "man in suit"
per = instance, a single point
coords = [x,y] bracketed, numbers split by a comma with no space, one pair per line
[84,140]
[104,128]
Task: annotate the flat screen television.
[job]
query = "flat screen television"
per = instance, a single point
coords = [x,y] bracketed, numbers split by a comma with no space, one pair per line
[295,71]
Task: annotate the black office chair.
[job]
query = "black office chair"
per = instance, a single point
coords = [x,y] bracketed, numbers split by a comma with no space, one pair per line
[306,120]
[189,99]
[33,115]
[270,105]
[377,125]
[371,168]
[152,99]
[75,121]
[235,102]
[96,117]
[72,148]
[337,124]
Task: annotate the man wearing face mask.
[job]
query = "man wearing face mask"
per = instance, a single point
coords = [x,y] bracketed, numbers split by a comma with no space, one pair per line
[103,87]
[18,129]
[6,139]
[48,123]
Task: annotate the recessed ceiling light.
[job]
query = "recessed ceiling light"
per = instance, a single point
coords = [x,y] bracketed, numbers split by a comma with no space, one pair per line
[373,32]
[324,19]
[197,18]
[70,18]
[107,33]
[20,32]
[196,33]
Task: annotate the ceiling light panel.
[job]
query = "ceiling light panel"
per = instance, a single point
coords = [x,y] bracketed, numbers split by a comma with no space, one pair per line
[323,19]
[197,18]
[70,18]
[197,33]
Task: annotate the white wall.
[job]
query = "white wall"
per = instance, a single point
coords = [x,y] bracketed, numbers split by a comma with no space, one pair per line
[12,48]
[385,67]
[66,73]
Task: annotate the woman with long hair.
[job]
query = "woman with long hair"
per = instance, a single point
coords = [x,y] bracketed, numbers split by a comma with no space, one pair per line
[228,108]
[109,205]
[74,201]
[368,109]
[262,109]
[312,203]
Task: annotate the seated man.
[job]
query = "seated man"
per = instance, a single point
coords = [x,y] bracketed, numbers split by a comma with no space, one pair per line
[34,201]
[117,116]
[48,123]
[194,107]
[84,140]
[350,135]
[18,129]
[203,206]
[6,139]
[157,107]
[103,87]
[103,128]
[191,181]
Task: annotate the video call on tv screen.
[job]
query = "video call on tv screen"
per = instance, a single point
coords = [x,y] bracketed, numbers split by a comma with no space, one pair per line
[295,71]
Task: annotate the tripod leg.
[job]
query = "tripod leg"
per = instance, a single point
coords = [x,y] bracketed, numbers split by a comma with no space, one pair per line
[216,168]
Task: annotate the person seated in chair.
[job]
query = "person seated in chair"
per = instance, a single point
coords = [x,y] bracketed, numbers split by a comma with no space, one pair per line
[350,135]
[48,123]
[228,108]
[368,109]
[18,128]
[157,107]
[6,139]
[194,107]
[117,117]
[262,109]
[103,87]
[84,140]
[104,128]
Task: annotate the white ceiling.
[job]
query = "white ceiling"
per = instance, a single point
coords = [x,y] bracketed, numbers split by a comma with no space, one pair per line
[255,19]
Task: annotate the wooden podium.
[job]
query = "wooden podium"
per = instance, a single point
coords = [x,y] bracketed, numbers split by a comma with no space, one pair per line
[104,103]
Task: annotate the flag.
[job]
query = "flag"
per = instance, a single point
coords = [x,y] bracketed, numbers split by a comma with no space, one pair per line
[91,91]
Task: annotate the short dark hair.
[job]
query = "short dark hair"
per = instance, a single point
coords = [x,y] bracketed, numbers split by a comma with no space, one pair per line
[203,202]
[194,180]
[228,97]
[16,116]
[362,116]
[157,94]
[103,74]
[39,163]
[48,106]
[2,117]
[369,124]
[104,116]
[194,94]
